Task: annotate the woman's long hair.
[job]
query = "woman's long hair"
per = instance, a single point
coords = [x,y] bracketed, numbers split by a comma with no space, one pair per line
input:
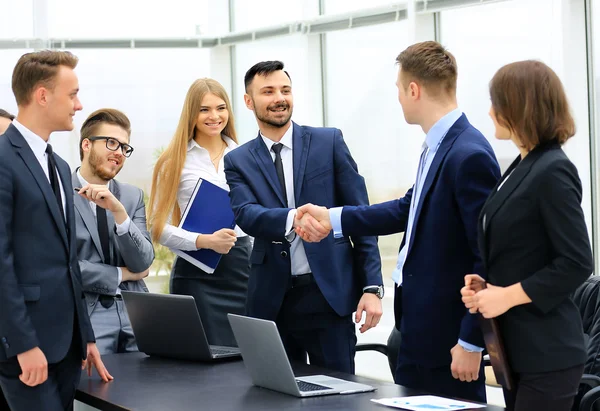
[167,171]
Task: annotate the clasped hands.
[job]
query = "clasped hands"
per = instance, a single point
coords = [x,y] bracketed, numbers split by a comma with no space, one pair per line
[312,224]
[479,296]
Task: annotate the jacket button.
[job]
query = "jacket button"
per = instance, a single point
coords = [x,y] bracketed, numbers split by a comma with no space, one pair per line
[3,339]
[6,345]
[284,254]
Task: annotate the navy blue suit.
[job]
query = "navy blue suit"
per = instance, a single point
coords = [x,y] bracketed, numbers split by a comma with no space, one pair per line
[41,298]
[325,174]
[429,310]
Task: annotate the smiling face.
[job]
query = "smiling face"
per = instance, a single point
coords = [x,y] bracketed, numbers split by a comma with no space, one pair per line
[271,99]
[213,116]
[105,163]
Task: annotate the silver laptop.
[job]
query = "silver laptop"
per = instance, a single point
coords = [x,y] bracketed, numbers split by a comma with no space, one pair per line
[268,365]
[169,326]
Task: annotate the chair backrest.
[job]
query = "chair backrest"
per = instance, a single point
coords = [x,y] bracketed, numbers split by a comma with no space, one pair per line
[393,346]
[587,299]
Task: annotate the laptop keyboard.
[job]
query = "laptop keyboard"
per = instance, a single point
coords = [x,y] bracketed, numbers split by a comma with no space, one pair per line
[307,386]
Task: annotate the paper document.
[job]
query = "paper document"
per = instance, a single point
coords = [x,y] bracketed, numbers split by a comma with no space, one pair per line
[427,403]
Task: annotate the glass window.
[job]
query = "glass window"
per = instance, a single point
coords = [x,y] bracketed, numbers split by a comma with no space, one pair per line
[480,56]
[132,18]
[344,6]
[249,15]
[16,19]
[362,101]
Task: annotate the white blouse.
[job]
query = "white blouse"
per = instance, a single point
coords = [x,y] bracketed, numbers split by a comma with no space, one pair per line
[197,165]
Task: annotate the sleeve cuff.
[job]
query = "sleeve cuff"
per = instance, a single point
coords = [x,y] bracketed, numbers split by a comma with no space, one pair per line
[290,234]
[469,347]
[123,228]
[119,279]
[335,217]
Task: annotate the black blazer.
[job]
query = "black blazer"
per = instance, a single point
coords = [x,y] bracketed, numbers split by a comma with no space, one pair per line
[40,284]
[532,231]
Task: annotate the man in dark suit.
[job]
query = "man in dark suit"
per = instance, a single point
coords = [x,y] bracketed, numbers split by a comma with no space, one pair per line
[45,331]
[441,343]
[309,290]
[113,244]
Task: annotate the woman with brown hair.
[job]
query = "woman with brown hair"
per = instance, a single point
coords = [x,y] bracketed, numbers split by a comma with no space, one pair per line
[204,135]
[534,241]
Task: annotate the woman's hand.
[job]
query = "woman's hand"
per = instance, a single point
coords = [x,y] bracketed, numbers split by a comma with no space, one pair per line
[492,302]
[473,283]
[220,241]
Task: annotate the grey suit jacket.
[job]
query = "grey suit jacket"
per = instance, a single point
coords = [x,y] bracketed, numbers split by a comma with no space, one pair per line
[133,250]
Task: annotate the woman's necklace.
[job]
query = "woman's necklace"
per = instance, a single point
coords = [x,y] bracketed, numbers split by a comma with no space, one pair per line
[218,157]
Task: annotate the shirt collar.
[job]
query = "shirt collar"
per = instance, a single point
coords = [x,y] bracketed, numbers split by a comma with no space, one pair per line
[286,140]
[37,144]
[82,180]
[228,140]
[441,127]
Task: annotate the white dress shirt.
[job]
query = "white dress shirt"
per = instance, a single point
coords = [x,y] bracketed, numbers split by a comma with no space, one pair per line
[297,254]
[122,228]
[38,146]
[197,165]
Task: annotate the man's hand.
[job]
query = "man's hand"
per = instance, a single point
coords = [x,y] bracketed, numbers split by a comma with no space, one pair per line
[220,241]
[127,275]
[34,367]
[465,365]
[371,305]
[102,197]
[94,360]
[312,223]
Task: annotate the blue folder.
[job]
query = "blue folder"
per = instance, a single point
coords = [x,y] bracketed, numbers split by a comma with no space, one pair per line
[208,210]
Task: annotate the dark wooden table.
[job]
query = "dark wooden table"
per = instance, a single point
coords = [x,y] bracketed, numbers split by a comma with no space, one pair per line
[156,384]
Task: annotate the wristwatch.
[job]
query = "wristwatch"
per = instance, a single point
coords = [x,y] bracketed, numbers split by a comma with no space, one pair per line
[375,289]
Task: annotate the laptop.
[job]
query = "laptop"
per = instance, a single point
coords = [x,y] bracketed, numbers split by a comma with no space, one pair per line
[268,365]
[168,325]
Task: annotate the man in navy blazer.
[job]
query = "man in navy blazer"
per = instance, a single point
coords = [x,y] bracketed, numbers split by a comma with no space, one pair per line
[441,342]
[310,290]
[45,331]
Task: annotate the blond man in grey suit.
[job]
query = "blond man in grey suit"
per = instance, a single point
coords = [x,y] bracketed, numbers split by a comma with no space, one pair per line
[113,244]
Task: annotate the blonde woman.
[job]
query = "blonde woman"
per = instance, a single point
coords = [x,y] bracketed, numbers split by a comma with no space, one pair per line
[204,135]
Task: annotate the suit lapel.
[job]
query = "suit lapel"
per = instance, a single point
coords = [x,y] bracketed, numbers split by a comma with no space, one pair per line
[511,178]
[32,163]
[432,173]
[110,219]
[300,145]
[266,166]
[83,208]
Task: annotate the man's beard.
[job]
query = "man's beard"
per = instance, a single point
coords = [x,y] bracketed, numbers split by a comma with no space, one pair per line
[95,163]
[272,122]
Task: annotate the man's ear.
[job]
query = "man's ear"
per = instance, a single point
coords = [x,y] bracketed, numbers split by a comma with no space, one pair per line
[248,101]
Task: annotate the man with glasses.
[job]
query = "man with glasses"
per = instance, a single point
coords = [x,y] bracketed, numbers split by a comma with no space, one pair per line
[113,244]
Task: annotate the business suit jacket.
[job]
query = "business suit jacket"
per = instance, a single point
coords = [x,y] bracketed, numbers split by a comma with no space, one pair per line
[532,230]
[133,250]
[443,245]
[40,283]
[324,173]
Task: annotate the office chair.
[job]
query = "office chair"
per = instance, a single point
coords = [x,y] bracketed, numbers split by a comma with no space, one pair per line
[390,349]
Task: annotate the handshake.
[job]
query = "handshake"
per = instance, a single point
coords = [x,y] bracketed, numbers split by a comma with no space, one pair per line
[312,223]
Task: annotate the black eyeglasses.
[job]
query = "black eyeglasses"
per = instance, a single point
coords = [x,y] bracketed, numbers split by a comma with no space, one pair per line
[113,145]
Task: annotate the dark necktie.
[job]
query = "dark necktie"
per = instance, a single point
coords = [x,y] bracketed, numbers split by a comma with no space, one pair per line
[279,168]
[106,300]
[54,180]
[103,233]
